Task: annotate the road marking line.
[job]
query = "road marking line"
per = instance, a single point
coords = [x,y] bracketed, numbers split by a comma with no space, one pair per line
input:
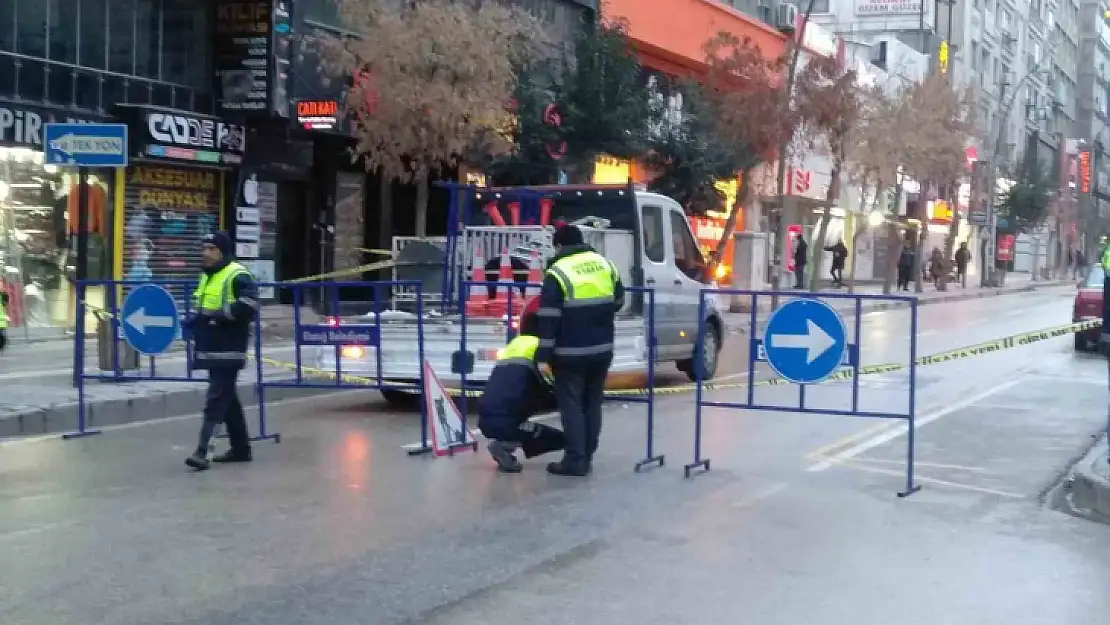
[853,464]
[899,430]
[824,451]
[931,465]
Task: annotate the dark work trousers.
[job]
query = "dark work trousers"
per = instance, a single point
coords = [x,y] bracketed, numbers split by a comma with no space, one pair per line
[799,276]
[221,405]
[579,391]
[536,439]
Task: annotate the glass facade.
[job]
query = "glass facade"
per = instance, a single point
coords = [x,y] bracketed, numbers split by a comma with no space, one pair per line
[38,226]
[91,54]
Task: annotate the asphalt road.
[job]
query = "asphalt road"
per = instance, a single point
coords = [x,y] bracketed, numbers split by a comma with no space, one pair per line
[798,521]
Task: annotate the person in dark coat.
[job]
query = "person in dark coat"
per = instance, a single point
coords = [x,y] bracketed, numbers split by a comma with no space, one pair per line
[840,257]
[225,305]
[514,393]
[580,297]
[963,257]
[906,264]
[801,255]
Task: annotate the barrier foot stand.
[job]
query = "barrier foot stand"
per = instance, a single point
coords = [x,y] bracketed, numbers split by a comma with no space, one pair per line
[700,464]
[654,461]
[81,434]
[419,451]
[907,493]
[471,446]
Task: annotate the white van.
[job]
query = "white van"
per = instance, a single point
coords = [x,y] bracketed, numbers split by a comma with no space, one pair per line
[646,235]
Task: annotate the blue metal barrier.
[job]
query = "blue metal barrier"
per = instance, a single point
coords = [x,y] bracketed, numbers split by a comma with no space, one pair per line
[804,343]
[341,335]
[464,360]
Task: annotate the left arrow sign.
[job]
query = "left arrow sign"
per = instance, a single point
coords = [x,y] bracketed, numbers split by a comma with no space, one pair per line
[141,321]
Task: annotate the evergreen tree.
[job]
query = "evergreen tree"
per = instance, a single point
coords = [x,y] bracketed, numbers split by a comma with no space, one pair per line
[1025,204]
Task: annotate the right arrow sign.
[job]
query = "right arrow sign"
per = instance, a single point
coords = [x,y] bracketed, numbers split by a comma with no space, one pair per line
[805,341]
[815,341]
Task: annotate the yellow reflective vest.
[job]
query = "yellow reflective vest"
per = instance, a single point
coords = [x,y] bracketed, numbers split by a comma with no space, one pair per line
[213,293]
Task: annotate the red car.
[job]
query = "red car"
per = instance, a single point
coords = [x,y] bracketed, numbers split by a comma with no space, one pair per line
[1088,305]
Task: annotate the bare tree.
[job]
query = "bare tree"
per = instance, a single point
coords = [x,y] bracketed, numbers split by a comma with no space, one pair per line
[430,80]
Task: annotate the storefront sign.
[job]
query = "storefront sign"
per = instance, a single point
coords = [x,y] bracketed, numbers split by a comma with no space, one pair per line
[167,211]
[253,53]
[256,219]
[22,125]
[798,181]
[888,7]
[1085,171]
[318,114]
[183,136]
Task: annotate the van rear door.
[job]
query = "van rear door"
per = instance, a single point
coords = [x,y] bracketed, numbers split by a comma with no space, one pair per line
[658,273]
[688,272]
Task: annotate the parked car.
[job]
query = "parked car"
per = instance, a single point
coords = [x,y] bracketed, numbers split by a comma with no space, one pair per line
[1088,305]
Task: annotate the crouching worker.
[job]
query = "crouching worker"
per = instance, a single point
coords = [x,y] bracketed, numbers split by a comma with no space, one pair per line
[514,392]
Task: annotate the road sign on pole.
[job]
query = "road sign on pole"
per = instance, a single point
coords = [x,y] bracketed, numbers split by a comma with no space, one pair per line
[86,145]
[805,341]
[150,319]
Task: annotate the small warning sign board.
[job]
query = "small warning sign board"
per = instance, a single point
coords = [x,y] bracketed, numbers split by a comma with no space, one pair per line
[444,418]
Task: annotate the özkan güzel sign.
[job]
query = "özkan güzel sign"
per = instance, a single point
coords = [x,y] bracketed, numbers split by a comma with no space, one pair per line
[318,114]
[888,7]
[252,56]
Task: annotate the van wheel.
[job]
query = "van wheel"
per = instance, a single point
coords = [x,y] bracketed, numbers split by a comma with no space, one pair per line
[401,400]
[710,352]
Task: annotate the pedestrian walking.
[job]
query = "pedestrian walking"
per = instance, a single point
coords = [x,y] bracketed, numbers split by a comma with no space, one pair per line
[1080,265]
[963,257]
[936,266]
[581,294]
[906,264]
[840,256]
[514,392]
[225,304]
[801,255]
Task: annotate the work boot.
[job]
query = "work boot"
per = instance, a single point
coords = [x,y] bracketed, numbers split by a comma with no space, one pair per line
[233,455]
[567,469]
[197,461]
[502,454]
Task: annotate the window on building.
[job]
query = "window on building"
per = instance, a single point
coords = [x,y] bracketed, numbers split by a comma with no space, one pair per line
[30,27]
[121,36]
[820,6]
[92,49]
[184,62]
[148,38]
[974,55]
[7,26]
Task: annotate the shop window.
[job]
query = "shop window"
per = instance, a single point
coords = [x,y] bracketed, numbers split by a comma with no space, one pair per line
[121,36]
[63,30]
[686,254]
[93,47]
[7,26]
[653,234]
[148,38]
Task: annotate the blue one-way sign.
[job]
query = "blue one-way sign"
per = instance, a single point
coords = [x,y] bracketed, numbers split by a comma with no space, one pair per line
[150,321]
[86,145]
[805,341]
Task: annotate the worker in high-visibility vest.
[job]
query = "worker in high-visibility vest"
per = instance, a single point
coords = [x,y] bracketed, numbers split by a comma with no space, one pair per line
[580,297]
[514,392]
[3,318]
[224,305]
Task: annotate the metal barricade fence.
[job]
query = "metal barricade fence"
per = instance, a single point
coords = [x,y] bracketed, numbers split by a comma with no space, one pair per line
[805,343]
[333,335]
[502,325]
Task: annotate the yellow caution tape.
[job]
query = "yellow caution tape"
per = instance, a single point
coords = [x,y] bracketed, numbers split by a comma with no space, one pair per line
[979,349]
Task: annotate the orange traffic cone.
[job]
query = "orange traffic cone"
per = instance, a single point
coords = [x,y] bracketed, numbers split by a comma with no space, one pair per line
[477,297]
[500,305]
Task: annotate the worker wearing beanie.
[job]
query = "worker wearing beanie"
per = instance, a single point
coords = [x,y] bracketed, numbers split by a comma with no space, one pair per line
[580,297]
[224,305]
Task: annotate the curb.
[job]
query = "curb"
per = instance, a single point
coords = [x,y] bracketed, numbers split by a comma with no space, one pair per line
[62,417]
[946,299]
[1089,487]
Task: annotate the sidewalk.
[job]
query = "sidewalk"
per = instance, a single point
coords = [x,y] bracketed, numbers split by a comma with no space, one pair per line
[1089,487]
[738,320]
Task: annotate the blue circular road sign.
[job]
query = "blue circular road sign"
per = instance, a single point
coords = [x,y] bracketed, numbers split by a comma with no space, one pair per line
[150,320]
[805,341]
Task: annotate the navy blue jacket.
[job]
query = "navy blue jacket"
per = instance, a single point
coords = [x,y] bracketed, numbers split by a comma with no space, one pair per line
[513,393]
[566,330]
[219,341]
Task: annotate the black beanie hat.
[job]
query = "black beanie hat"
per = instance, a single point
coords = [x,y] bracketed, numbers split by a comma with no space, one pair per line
[221,241]
[568,235]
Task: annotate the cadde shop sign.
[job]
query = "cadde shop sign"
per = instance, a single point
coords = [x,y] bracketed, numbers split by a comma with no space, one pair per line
[888,7]
[181,136]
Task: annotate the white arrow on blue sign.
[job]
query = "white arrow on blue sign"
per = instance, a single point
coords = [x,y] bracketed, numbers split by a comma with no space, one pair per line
[86,145]
[150,319]
[805,341]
